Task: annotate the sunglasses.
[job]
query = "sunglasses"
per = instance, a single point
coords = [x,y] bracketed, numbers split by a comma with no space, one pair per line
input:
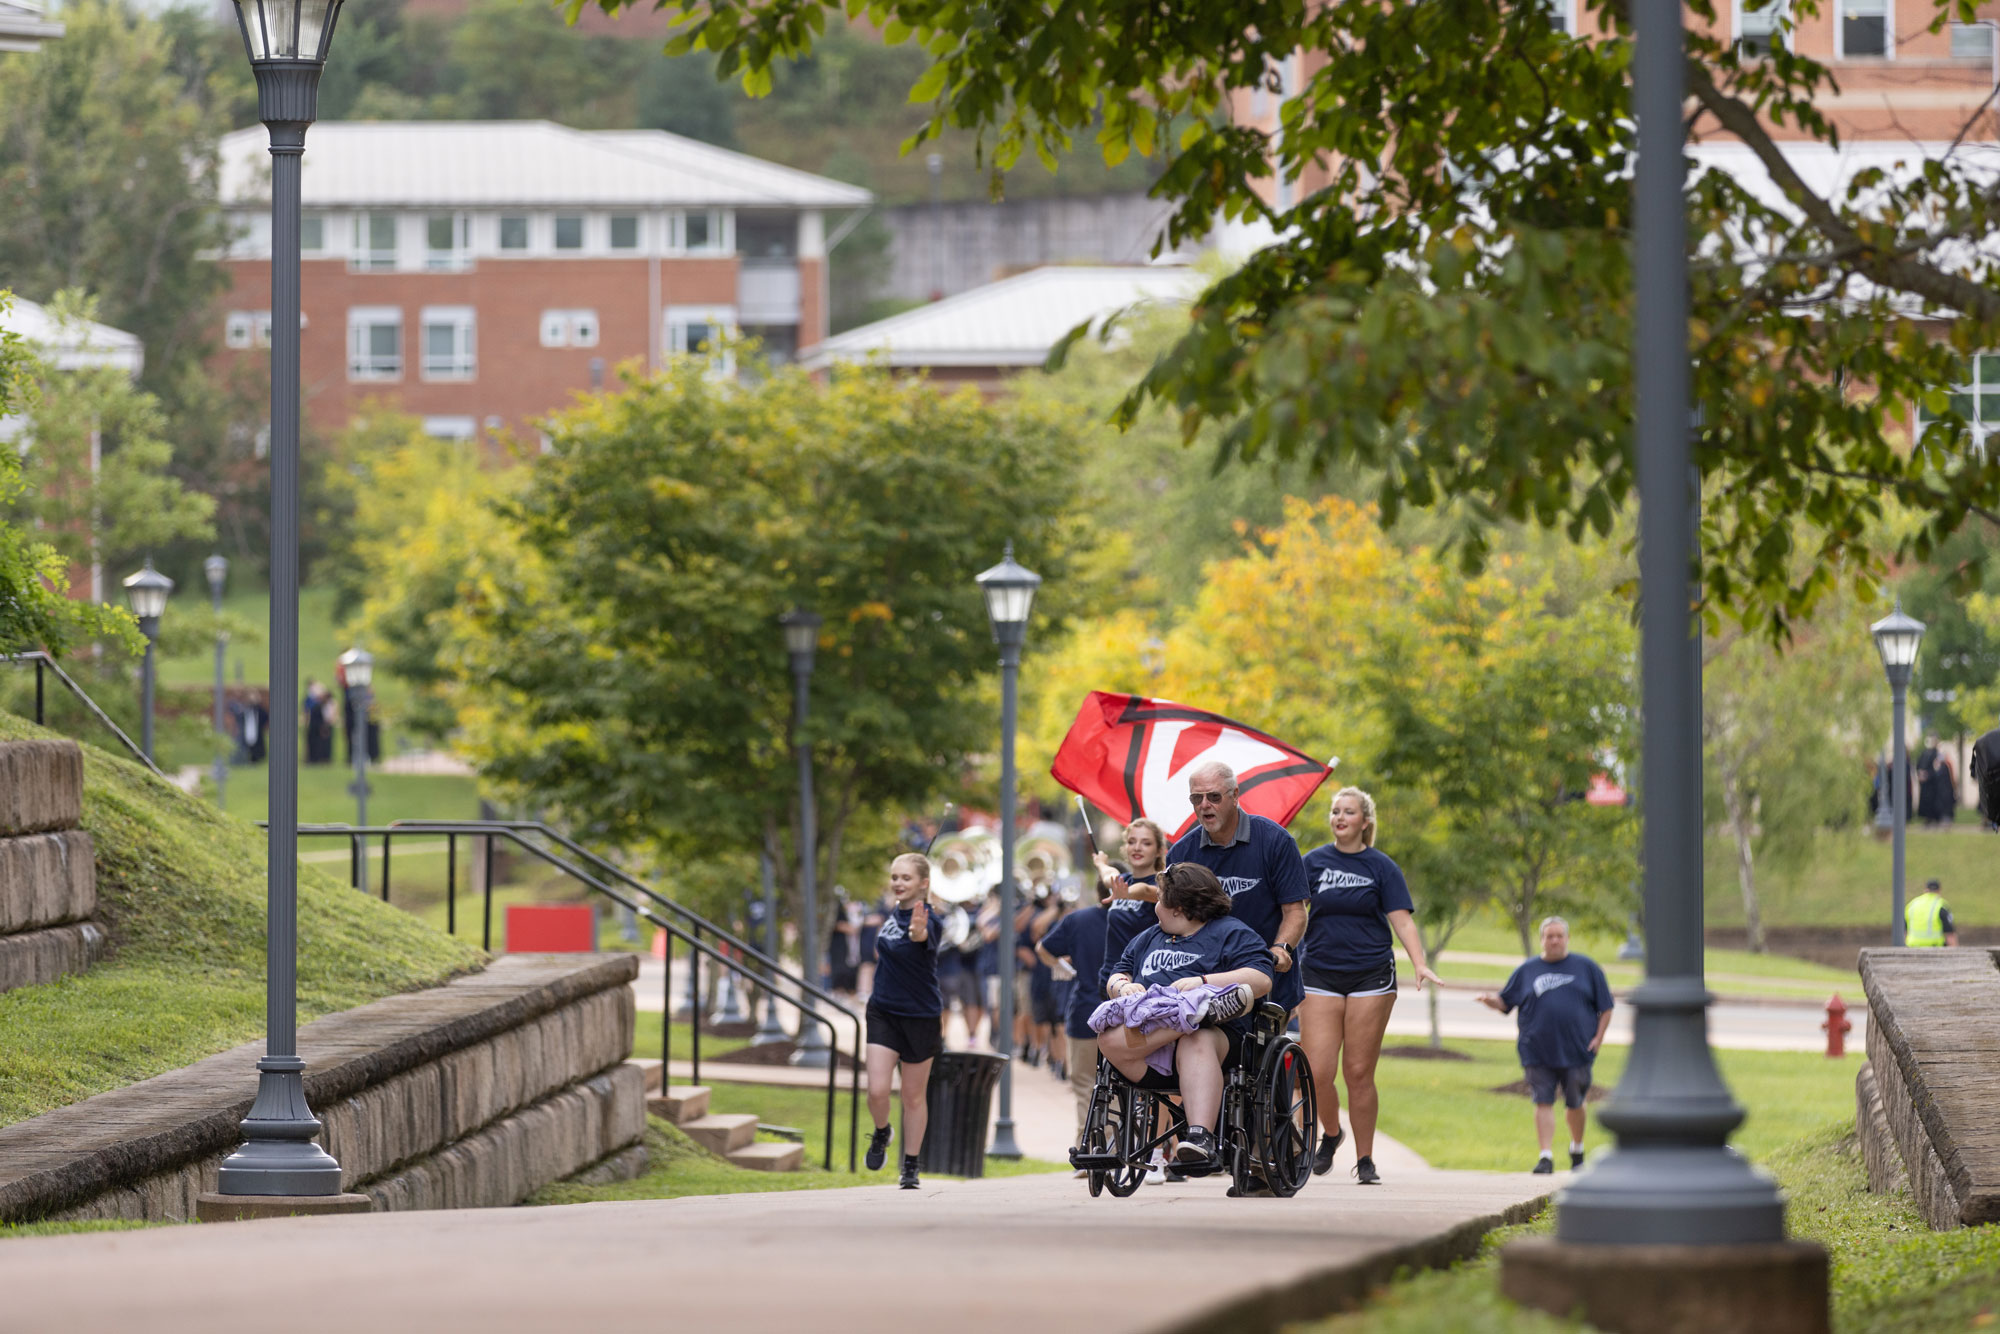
[1207,798]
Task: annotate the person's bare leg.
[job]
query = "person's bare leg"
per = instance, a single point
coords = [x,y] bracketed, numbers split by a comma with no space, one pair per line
[1322,1020]
[1198,1068]
[881,1073]
[916,1107]
[1367,1021]
[1545,1126]
[1577,1117]
[1127,1048]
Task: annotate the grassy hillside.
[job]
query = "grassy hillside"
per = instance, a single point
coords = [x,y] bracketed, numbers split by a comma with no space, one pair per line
[181,890]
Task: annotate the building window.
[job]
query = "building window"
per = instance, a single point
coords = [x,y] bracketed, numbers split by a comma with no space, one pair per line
[1976,400]
[1561,15]
[1971,41]
[569,328]
[448,343]
[569,233]
[1864,28]
[450,428]
[702,329]
[374,343]
[1760,25]
[513,233]
[374,241]
[704,232]
[312,233]
[447,242]
[625,232]
[248,328]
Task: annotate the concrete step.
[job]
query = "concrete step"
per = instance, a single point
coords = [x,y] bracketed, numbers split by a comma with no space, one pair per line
[649,1071]
[722,1133]
[681,1104]
[769,1156]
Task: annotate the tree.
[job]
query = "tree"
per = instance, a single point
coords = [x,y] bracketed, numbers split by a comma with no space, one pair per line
[1448,300]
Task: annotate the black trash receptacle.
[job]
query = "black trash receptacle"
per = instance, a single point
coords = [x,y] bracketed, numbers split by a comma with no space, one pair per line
[960,1097]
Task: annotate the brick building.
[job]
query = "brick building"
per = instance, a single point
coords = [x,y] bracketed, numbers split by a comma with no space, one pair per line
[477,274]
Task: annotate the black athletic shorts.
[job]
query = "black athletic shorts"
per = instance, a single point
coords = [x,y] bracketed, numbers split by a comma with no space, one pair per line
[1544,1080]
[962,985]
[912,1037]
[1379,980]
[1231,1058]
[1044,1006]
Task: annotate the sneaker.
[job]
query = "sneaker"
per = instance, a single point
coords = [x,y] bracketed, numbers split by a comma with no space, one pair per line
[1156,1171]
[1196,1148]
[878,1149]
[1225,1006]
[1323,1155]
[1364,1172]
[1544,1167]
[908,1180]
[1575,1159]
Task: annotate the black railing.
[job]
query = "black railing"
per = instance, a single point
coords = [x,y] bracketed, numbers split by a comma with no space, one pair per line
[769,974]
[43,663]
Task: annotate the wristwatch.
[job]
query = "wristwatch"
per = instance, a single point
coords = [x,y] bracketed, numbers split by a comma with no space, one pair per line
[1290,950]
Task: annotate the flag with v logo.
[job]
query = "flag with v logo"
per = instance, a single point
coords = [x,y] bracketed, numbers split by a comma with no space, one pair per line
[1131,756]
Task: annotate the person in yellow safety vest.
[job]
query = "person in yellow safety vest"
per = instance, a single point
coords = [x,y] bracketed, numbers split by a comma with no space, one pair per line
[1927,919]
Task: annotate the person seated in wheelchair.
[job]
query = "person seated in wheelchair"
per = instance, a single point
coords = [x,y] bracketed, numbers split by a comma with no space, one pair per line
[1196,944]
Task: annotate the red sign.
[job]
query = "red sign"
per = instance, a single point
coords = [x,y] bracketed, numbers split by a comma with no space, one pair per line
[548,928]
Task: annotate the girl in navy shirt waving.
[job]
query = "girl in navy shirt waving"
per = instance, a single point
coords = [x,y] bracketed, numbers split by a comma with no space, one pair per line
[905,1012]
[1358,900]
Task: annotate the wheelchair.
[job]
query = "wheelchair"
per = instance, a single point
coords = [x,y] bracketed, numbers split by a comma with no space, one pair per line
[1269,1123]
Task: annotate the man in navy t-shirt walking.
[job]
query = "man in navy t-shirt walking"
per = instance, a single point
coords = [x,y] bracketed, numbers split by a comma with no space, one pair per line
[1565,1005]
[1080,938]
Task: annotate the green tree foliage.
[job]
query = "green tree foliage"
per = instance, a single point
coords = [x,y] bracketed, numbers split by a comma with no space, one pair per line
[1450,304]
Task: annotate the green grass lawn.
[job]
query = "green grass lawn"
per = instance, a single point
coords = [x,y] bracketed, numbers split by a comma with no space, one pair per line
[1846,880]
[320,643]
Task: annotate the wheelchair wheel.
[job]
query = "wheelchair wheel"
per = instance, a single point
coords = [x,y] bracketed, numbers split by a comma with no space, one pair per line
[1287,1124]
[1132,1113]
[1100,1131]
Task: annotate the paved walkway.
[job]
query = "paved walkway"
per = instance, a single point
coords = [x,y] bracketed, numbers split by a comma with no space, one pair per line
[972,1257]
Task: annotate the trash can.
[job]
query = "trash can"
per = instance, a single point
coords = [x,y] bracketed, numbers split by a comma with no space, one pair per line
[960,1097]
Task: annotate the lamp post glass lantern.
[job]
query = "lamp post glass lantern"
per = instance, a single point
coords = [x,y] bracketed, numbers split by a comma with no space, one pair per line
[146,592]
[287,42]
[801,640]
[1009,590]
[1897,639]
[216,567]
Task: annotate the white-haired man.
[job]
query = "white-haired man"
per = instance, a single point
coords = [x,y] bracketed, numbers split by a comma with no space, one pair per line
[1565,1005]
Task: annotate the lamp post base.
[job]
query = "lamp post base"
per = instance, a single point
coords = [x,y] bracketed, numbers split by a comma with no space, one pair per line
[812,1050]
[1767,1288]
[278,1155]
[214,1207]
[770,1030]
[1003,1141]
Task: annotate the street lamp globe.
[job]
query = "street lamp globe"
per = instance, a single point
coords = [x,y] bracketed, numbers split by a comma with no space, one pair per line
[801,636]
[216,567]
[359,666]
[1897,637]
[147,592]
[1010,596]
[287,30]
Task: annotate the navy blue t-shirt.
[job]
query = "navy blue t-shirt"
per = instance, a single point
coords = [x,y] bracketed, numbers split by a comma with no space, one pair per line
[1080,938]
[1156,959]
[1352,897]
[1262,871]
[1559,1004]
[1127,918]
[906,980]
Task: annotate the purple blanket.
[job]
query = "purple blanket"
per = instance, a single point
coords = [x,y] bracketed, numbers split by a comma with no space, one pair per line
[1156,1008]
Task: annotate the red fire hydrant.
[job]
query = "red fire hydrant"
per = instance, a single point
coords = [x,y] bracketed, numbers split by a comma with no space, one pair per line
[1837,1026]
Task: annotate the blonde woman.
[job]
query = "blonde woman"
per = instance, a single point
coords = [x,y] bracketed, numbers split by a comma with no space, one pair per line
[905,1013]
[1360,907]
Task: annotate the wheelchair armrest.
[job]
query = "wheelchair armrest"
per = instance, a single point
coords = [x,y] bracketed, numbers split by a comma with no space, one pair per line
[1274,1015]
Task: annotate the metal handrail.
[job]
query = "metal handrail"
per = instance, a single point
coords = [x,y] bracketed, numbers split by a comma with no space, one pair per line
[513,831]
[44,662]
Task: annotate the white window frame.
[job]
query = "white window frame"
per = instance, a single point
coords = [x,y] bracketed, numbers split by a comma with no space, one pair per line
[679,322]
[1564,14]
[582,245]
[721,231]
[527,221]
[462,363]
[459,257]
[306,221]
[638,221]
[243,329]
[1840,8]
[1778,12]
[364,257]
[1984,383]
[1987,37]
[364,366]
[451,428]
[574,327]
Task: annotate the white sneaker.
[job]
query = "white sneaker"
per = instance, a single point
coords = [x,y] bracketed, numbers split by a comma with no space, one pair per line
[1156,1171]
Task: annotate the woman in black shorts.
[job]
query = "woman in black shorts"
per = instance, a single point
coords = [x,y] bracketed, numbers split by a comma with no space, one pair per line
[1360,908]
[905,1012]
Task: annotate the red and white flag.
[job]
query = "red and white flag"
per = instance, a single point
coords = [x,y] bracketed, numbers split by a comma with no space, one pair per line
[1131,756]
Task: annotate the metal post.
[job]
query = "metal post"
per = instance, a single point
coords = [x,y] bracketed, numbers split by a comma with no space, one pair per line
[357,746]
[217,568]
[150,627]
[1672,1178]
[1900,803]
[1010,667]
[279,1156]
[770,1030]
[812,1049]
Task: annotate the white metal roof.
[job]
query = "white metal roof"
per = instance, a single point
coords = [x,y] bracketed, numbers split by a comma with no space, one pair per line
[23,27]
[73,346]
[470,164]
[1013,322]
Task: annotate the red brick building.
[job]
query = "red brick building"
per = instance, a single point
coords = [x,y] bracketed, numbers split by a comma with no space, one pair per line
[478,274]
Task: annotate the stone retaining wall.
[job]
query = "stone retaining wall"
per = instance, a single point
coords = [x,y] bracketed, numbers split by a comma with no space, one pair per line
[48,874]
[472,1094]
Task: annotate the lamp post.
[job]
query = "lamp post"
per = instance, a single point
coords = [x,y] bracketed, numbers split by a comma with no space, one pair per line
[1897,637]
[287,43]
[358,667]
[770,1030]
[147,592]
[801,638]
[216,567]
[1010,596]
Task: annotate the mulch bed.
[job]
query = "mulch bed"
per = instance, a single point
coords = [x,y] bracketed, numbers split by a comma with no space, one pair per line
[772,1053]
[1415,1053]
[1519,1089]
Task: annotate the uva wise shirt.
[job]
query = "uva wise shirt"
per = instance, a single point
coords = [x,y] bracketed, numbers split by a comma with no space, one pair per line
[1559,1004]
[1127,918]
[1080,938]
[1352,897]
[905,969]
[1262,871]
[1156,959]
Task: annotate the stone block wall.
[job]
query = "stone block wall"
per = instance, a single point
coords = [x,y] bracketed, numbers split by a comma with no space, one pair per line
[48,874]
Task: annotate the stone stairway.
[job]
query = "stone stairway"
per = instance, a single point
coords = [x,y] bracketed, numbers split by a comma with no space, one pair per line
[728,1135]
[48,871]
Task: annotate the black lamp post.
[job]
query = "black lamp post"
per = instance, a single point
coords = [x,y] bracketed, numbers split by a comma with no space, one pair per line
[216,567]
[1897,638]
[769,1030]
[287,43]
[1010,596]
[147,592]
[801,638]
[358,667]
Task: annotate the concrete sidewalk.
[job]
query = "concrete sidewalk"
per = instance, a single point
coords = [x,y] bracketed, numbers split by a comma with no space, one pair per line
[972,1257]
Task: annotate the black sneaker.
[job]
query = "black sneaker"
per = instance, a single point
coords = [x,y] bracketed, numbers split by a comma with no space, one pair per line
[1196,1147]
[878,1149]
[1225,1006]
[908,1181]
[1323,1156]
[1544,1167]
[1364,1172]
[1575,1159]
